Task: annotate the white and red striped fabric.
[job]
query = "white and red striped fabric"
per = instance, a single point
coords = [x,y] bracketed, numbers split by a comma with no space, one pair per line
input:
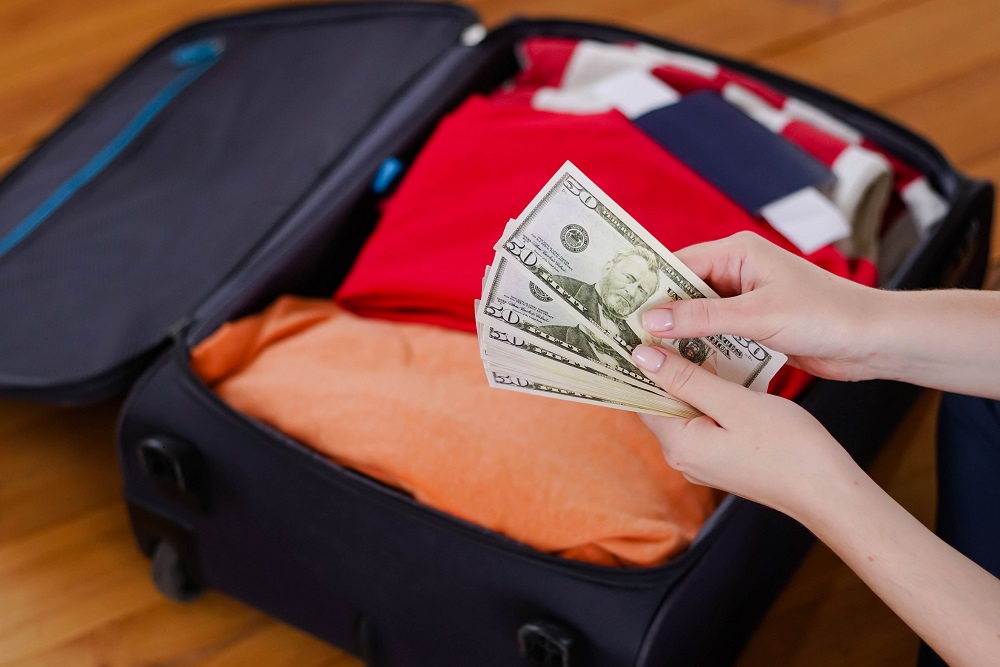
[874,190]
[489,156]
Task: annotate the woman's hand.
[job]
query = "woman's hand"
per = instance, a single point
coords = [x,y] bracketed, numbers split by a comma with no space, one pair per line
[770,450]
[827,325]
[762,447]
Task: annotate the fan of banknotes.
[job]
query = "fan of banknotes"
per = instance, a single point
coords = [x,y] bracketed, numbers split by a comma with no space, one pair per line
[561,306]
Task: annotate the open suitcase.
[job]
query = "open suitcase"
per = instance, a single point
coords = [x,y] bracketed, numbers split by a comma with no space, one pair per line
[142,246]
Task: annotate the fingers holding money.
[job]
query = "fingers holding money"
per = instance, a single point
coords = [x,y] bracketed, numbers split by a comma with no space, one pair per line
[720,262]
[562,306]
[781,301]
[697,318]
[720,399]
[732,446]
[735,267]
[690,446]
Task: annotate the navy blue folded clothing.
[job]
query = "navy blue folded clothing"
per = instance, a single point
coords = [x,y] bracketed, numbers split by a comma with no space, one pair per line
[747,162]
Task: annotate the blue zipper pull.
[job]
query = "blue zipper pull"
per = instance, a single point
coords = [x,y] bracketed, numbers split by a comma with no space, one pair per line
[197,53]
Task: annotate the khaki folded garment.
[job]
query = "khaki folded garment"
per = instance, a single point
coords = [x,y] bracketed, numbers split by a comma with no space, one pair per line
[409,405]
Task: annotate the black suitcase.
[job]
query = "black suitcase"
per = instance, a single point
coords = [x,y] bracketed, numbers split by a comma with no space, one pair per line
[234,162]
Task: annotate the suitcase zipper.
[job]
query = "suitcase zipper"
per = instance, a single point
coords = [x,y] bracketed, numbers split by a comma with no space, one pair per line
[192,60]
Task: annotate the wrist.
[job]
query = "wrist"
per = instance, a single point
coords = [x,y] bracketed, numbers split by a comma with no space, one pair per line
[877,326]
[834,496]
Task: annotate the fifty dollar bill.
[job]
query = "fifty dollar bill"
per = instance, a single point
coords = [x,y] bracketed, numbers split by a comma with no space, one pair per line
[577,247]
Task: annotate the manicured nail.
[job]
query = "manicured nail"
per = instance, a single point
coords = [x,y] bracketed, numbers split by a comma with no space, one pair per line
[658,319]
[648,358]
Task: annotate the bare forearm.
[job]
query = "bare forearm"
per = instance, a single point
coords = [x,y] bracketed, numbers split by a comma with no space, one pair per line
[943,339]
[952,603]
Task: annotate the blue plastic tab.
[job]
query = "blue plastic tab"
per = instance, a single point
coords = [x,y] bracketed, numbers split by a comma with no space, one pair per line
[387,174]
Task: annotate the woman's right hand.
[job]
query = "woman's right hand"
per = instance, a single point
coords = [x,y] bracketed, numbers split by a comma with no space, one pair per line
[827,325]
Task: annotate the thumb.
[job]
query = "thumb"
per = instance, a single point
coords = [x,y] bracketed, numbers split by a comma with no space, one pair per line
[694,385]
[697,318]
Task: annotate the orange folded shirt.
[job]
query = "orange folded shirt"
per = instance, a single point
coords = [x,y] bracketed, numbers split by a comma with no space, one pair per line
[409,405]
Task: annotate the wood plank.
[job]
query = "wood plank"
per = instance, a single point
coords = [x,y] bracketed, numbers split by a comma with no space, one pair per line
[15,415]
[71,451]
[65,582]
[42,36]
[901,53]
[734,27]
[281,646]
[11,157]
[163,633]
[959,115]
[753,29]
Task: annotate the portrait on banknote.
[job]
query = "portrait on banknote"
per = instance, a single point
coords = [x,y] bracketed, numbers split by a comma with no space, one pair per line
[627,281]
[605,277]
[512,298]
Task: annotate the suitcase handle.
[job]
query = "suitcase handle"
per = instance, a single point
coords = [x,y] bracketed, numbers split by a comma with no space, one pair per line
[176,468]
[547,644]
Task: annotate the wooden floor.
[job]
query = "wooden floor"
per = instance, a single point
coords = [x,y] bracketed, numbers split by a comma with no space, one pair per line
[74,589]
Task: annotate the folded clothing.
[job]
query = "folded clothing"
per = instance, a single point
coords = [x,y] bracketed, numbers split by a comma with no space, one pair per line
[424,261]
[408,405]
[558,72]
[484,163]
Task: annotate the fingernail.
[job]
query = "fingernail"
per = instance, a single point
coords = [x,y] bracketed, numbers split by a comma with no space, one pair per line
[648,358]
[658,319]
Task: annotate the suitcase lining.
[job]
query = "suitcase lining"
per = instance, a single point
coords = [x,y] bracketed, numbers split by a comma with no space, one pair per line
[205,179]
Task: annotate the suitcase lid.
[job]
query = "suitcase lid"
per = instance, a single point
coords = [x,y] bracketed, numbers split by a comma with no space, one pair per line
[134,211]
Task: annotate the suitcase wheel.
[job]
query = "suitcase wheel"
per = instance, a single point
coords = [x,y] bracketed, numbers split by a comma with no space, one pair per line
[170,575]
